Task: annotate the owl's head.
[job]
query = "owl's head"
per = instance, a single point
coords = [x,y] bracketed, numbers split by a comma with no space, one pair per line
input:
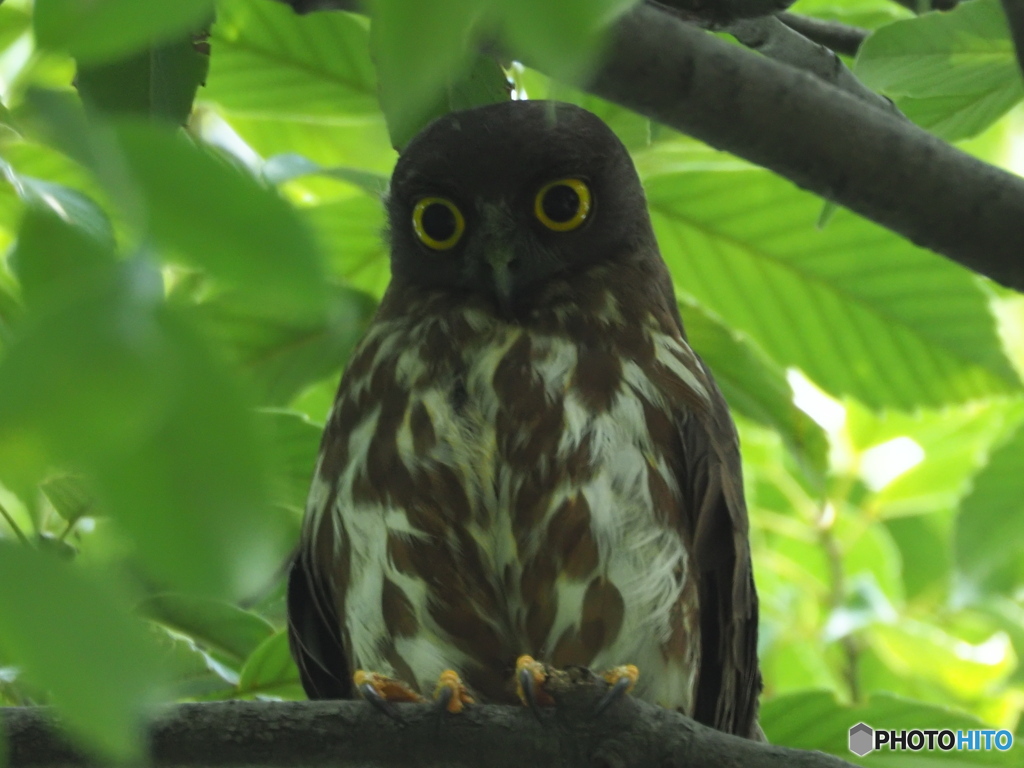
[497,200]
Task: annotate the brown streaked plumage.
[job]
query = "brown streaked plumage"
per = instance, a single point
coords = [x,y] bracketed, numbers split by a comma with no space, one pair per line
[525,456]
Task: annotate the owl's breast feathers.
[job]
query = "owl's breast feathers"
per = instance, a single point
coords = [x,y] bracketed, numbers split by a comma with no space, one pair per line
[566,486]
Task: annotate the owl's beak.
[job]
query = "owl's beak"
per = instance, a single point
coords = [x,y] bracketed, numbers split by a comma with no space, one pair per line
[500,260]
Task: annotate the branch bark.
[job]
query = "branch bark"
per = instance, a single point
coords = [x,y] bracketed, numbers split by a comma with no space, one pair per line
[352,733]
[817,136]
[841,38]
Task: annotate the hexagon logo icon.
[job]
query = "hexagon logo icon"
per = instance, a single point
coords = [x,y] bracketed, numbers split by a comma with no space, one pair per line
[862,739]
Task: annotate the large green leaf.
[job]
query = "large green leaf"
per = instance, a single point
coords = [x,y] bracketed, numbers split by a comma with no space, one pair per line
[754,386]
[222,221]
[102,30]
[269,61]
[113,382]
[954,73]
[73,633]
[351,234]
[296,440]
[220,626]
[284,356]
[270,671]
[860,310]
[990,524]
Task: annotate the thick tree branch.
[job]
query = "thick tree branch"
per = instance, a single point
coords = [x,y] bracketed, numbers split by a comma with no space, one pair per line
[1014,10]
[337,734]
[817,136]
[841,38]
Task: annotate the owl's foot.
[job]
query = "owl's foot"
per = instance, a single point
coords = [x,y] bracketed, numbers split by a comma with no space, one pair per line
[533,676]
[621,679]
[451,694]
[383,691]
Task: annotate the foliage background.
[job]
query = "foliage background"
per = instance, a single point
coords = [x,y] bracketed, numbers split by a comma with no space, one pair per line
[175,308]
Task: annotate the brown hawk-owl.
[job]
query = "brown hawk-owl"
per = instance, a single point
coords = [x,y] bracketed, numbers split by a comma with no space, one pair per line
[525,457]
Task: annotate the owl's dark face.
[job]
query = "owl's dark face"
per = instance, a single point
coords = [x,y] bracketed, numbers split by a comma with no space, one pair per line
[495,201]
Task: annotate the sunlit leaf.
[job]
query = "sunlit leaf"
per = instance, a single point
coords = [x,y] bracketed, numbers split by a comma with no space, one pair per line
[954,73]
[990,524]
[297,441]
[268,60]
[755,386]
[860,310]
[218,625]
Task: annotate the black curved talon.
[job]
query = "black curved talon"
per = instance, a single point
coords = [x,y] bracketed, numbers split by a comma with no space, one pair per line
[526,682]
[616,692]
[379,702]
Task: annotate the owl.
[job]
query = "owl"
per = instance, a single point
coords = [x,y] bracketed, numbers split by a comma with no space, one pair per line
[525,459]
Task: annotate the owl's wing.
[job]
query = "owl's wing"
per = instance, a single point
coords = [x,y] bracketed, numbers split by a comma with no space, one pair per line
[729,682]
[314,633]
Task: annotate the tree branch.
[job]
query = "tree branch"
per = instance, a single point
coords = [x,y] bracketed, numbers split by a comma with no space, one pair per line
[841,38]
[352,733]
[818,137]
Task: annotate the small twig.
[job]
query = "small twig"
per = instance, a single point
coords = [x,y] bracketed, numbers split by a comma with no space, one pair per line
[14,526]
[841,38]
[837,597]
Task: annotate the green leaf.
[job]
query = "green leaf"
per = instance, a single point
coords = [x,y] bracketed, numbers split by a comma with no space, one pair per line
[218,625]
[67,203]
[288,167]
[70,495]
[754,386]
[193,673]
[418,48]
[815,720]
[103,30]
[857,308]
[297,441]
[285,356]
[158,81]
[954,73]
[270,671]
[114,383]
[223,221]
[351,235]
[13,23]
[74,635]
[990,523]
[270,61]
[74,254]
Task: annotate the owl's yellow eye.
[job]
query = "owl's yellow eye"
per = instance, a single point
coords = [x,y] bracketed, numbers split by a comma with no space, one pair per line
[438,223]
[562,205]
